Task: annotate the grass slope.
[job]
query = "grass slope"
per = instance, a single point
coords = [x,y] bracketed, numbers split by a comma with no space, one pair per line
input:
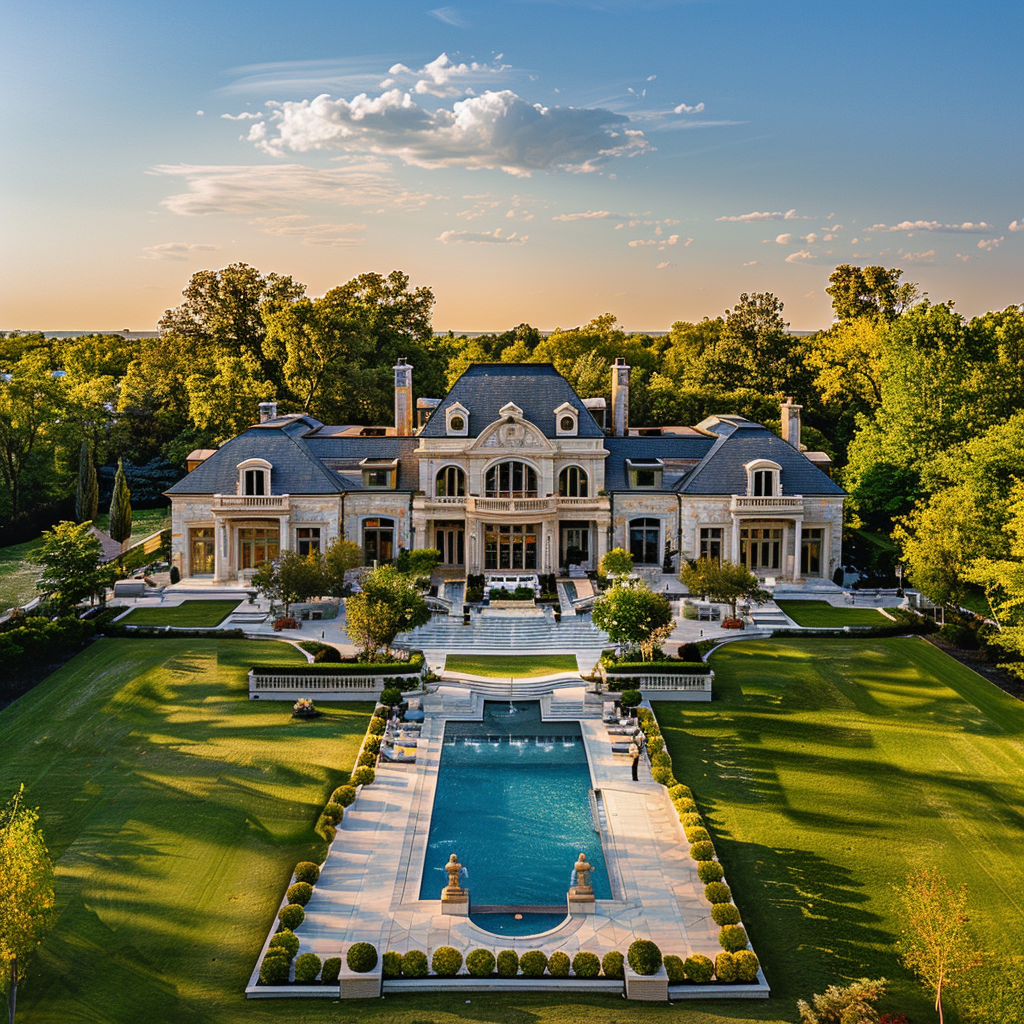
[200,614]
[18,574]
[830,769]
[502,666]
[175,809]
[821,613]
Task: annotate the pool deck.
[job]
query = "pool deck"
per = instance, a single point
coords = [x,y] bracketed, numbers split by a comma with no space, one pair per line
[369,886]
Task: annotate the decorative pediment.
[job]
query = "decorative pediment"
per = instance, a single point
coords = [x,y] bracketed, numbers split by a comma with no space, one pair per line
[511,409]
[512,433]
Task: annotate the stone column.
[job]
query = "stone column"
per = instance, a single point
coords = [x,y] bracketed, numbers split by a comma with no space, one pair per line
[283,540]
[734,550]
[798,531]
[219,552]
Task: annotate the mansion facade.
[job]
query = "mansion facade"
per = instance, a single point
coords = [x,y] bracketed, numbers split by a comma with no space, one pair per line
[511,471]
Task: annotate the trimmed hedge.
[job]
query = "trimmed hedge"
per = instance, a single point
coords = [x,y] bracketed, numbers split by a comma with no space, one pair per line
[732,938]
[586,965]
[725,967]
[331,970]
[367,759]
[695,833]
[717,892]
[334,813]
[376,726]
[480,963]
[699,969]
[446,961]
[275,970]
[300,893]
[675,970]
[372,743]
[307,871]
[663,775]
[679,791]
[702,851]
[361,957]
[291,916]
[559,964]
[307,969]
[363,776]
[746,966]
[391,964]
[287,940]
[710,871]
[634,668]
[613,964]
[508,963]
[391,697]
[725,913]
[533,964]
[344,795]
[644,957]
[347,668]
[414,964]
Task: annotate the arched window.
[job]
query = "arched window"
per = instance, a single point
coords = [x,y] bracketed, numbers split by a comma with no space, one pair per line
[511,480]
[764,479]
[573,483]
[644,535]
[378,540]
[450,483]
[254,477]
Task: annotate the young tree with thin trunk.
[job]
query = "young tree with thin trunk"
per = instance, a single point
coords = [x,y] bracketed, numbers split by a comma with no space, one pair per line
[70,560]
[120,527]
[88,495]
[26,893]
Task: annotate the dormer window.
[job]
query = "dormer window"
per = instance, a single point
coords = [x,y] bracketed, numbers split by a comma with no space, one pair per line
[645,474]
[379,474]
[764,479]
[566,421]
[254,477]
[457,420]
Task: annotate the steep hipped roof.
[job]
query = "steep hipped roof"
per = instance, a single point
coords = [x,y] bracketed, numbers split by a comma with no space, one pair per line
[537,388]
[342,455]
[671,447]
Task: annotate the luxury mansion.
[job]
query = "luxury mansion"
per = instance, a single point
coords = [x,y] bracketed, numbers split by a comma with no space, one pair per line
[511,471]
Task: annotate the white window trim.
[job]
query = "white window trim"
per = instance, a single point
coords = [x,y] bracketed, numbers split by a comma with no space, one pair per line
[567,409]
[457,409]
[764,464]
[254,464]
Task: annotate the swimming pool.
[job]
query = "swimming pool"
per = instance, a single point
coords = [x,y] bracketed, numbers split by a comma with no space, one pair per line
[513,802]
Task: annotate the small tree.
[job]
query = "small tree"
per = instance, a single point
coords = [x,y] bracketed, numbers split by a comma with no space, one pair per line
[417,563]
[388,605]
[935,944]
[87,496]
[291,577]
[726,582]
[70,560]
[341,556]
[120,527]
[632,615]
[617,562]
[853,1004]
[26,893]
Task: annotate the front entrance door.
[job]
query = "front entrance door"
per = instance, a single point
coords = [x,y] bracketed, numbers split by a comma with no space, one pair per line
[451,542]
[510,547]
[810,553]
[575,545]
[202,553]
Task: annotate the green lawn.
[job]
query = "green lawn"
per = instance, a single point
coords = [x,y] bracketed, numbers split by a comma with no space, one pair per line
[18,574]
[821,613]
[828,770]
[200,614]
[144,522]
[500,666]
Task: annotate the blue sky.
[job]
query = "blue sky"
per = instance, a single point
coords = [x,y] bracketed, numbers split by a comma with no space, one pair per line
[530,161]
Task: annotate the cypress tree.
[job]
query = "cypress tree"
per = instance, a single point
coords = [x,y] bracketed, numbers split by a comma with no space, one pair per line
[120,507]
[88,496]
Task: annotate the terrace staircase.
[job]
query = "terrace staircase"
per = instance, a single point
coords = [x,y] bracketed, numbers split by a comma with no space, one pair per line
[770,616]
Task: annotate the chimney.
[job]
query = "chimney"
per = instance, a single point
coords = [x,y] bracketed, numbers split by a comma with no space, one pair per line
[403,398]
[268,411]
[791,423]
[620,398]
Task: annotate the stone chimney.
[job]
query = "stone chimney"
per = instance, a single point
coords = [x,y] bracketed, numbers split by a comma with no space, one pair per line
[791,423]
[268,411]
[403,398]
[620,398]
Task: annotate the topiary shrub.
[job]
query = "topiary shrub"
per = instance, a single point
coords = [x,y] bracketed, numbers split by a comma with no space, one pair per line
[697,834]
[291,916]
[334,812]
[684,805]
[480,963]
[367,759]
[656,749]
[630,698]
[613,964]
[732,938]
[361,957]
[391,964]
[710,871]
[746,966]
[558,965]
[363,776]
[327,656]
[307,968]
[414,964]
[446,960]
[343,795]
[725,913]
[644,957]
[586,965]
[533,964]
[717,892]
[725,967]
[508,963]
[299,893]
[377,726]
[699,969]
[660,759]
[675,970]
[275,969]
[328,831]
[689,652]
[679,792]
[662,774]
[391,697]
[702,851]
[372,744]
[381,713]
[286,940]
[691,820]
[331,970]
[307,871]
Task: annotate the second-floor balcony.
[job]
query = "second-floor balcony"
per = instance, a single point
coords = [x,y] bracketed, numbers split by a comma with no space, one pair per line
[772,504]
[440,506]
[278,503]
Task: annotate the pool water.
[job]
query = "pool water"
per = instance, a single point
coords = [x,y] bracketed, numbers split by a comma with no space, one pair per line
[513,801]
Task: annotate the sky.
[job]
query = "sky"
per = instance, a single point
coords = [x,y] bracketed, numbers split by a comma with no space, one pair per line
[540,161]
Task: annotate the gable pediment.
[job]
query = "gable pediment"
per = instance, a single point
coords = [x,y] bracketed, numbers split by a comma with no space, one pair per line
[512,433]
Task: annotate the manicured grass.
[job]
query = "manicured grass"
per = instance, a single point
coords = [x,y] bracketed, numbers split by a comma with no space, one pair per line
[500,666]
[199,614]
[821,613]
[144,522]
[175,809]
[830,769]
[18,574]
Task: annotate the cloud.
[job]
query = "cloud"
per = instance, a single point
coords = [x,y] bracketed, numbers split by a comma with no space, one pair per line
[449,15]
[918,257]
[243,116]
[784,239]
[933,225]
[752,218]
[1016,225]
[750,263]
[199,113]
[802,256]
[661,243]
[178,251]
[592,215]
[990,243]
[663,265]
[295,226]
[442,76]
[684,109]
[810,239]
[481,237]
[282,187]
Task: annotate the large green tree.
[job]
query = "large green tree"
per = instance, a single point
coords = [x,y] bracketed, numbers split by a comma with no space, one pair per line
[390,603]
[874,292]
[70,561]
[630,613]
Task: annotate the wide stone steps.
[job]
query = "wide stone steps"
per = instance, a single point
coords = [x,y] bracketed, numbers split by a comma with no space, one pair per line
[506,636]
[521,689]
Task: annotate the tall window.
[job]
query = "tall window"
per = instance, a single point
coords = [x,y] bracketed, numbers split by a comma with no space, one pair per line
[510,547]
[511,480]
[810,552]
[307,539]
[711,543]
[644,535]
[761,548]
[254,481]
[572,482]
[378,540]
[764,483]
[450,483]
[202,561]
[257,545]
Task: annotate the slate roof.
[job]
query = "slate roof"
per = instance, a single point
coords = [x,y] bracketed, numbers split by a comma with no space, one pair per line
[622,448]
[537,388]
[350,450]
[722,470]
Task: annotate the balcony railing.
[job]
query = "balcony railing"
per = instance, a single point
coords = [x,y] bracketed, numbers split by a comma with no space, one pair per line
[773,503]
[251,502]
[509,505]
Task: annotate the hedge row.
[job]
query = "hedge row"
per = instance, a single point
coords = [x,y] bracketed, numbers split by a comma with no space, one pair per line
[27,641]
[348,668]
[659,667]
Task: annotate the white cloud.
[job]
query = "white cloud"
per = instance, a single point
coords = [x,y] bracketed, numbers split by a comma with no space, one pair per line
[962,258]
[178,251]
[802,256]
[295,226]
[990,243]
[199,113]
[810,239]
[449,15]
[933,225]
[751,218]
[1016,225]
[784,239]
[282,187]
[661,243]
[481,237]
[684,109]
[243,116]
[918,257]
[750,263]
[591,215]
[663,265]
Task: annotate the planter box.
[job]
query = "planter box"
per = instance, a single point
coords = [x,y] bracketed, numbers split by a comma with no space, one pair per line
[359,986]
[649,988]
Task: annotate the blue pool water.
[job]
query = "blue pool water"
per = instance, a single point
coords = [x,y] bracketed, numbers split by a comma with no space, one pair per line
[513,802]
